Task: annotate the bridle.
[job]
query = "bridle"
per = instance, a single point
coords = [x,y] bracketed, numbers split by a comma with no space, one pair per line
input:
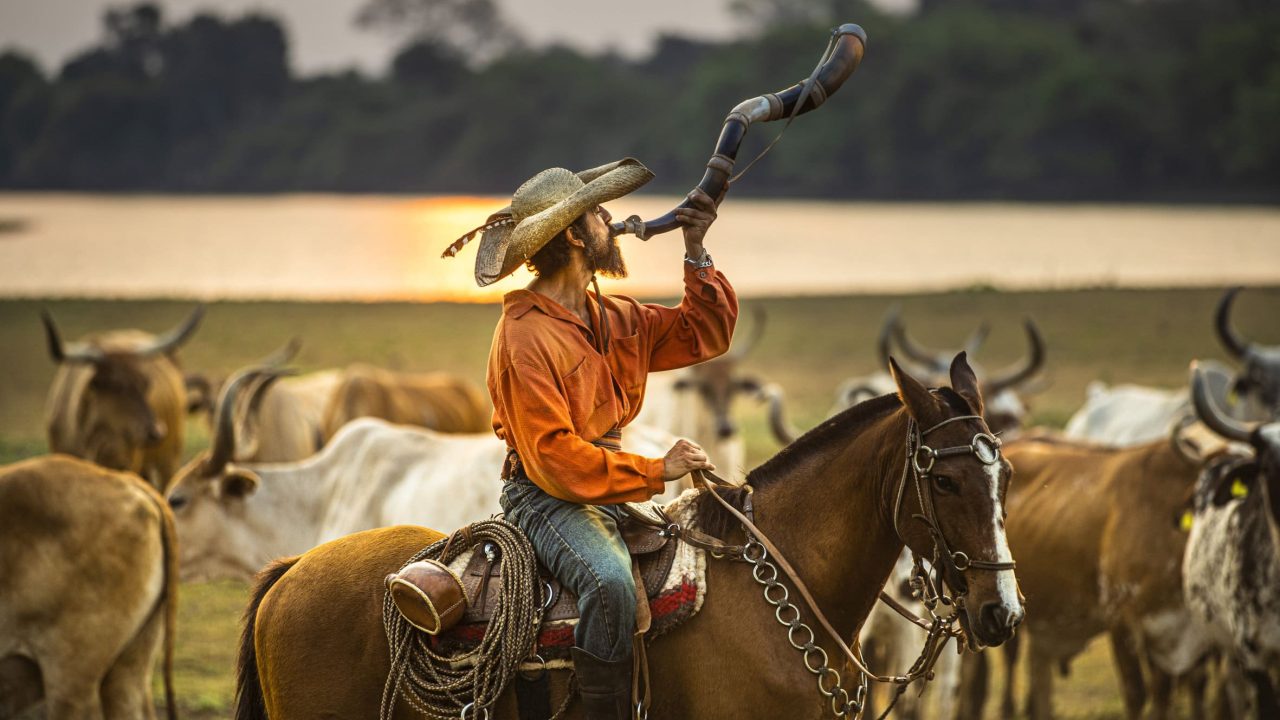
[767,560]
[948,564]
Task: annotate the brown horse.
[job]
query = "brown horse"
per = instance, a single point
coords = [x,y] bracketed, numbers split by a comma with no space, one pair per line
[314,644]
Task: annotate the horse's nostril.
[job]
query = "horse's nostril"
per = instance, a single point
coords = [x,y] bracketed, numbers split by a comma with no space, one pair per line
[998,620]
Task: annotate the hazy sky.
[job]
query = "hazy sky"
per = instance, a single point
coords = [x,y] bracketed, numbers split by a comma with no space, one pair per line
[323,37]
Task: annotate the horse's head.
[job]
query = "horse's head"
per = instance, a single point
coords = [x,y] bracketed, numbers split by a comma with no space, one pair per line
[949,503]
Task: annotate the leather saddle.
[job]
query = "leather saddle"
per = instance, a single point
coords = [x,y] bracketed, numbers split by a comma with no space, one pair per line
[652,551]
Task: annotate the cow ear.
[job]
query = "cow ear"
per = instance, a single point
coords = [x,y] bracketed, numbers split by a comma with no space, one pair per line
[965,382]
[239,483]
[914,395]
[1238,481]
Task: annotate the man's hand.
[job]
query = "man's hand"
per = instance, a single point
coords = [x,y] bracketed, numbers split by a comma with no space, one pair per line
[683,458]
[695,220]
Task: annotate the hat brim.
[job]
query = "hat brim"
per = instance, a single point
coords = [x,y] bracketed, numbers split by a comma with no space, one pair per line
[505,248]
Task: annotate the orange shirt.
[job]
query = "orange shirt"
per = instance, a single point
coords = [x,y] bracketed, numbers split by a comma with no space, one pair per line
[553,392]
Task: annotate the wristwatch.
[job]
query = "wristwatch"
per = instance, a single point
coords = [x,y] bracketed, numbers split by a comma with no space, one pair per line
[703,263]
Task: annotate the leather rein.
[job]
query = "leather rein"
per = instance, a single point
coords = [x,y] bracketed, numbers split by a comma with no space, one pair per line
[949,565]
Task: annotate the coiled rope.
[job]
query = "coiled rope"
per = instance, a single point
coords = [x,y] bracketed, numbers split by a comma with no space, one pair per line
[441,687]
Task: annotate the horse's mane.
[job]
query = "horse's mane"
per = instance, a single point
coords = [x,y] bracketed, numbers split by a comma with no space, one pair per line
[713,519]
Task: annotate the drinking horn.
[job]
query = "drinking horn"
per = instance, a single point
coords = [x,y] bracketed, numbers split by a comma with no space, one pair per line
[844,53]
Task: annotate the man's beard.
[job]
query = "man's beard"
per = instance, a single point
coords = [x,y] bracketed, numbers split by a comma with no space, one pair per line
[607,257]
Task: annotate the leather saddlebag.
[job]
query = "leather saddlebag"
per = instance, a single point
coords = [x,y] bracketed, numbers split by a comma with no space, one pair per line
[428,595]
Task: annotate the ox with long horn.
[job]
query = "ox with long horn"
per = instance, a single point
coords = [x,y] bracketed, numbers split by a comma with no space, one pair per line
[844,53]
[118,398]
[235,434]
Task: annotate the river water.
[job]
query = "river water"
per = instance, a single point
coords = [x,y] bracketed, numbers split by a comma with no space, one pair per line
[388,247]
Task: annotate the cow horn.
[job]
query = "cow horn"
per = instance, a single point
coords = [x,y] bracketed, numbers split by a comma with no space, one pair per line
[1234,344]
[76,352]
[885,340]
[757,329]
[171,340]
[1210,414]
[782,430]
[247,424]
[1183,445]
[283,355]
[976,339]
[223,447]
[935,362]
[1018,375]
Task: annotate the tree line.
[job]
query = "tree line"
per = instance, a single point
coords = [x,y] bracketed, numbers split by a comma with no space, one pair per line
[1167,100]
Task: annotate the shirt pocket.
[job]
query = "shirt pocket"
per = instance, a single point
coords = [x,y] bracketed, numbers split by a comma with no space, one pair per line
[588,389]
[629,367]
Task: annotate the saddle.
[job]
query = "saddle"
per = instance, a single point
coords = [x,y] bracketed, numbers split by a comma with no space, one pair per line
[651,551]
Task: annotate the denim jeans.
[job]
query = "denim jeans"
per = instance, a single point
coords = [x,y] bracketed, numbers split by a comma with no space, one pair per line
[582,547]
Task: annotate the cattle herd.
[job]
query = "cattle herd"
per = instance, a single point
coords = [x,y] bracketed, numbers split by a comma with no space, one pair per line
[1154,518]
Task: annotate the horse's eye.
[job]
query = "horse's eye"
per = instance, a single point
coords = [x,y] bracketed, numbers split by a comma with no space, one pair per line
[946,484]
[177,502]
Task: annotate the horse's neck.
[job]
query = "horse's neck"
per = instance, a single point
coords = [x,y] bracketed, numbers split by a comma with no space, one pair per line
[831,517]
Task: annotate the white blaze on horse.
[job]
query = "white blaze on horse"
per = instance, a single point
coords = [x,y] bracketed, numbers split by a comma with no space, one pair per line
[118,398]
[234,517]
[88,591]
[840,502]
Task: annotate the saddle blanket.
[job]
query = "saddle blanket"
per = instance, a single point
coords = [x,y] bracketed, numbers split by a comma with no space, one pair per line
[674,596]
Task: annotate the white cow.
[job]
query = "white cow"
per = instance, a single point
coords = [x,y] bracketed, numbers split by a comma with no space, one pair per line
[1130,415]
[233,518]
[1127,415]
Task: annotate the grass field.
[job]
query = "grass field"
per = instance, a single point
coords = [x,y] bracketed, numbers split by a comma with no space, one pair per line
[811,344]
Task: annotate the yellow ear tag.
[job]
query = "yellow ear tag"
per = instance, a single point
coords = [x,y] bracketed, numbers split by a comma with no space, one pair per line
[1185,522]
[1239,489]
[1233,397]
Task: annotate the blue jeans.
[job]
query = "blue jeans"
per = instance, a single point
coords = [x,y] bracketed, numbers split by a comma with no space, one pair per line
[582,547]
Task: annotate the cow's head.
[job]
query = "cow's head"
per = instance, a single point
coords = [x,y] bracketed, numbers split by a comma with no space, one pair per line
[1262,471]
[719,382]
[1259,376]
[1005,409]
[218,535]
[114,417]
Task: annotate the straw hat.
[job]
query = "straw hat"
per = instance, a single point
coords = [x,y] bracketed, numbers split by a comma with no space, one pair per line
[546,204]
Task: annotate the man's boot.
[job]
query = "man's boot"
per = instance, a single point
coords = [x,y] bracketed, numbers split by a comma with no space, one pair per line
[605,686]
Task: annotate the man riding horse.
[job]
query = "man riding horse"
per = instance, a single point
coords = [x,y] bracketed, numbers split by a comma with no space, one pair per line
[567,372]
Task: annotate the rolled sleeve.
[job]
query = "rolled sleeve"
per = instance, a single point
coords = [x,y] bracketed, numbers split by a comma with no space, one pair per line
[700,327]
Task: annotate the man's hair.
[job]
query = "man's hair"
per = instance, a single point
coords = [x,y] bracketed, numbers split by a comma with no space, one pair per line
[554,256]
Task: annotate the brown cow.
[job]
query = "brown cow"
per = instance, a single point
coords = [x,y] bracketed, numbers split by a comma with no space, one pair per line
[438,401]
[1099,551]
[89,567]
[119,400]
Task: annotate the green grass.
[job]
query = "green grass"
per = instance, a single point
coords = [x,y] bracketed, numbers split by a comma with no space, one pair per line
[810,346]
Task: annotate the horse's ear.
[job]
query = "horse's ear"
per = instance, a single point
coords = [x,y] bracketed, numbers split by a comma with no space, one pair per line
[915,396]
[965,382]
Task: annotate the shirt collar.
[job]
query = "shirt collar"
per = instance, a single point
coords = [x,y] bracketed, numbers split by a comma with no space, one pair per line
[517,303]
